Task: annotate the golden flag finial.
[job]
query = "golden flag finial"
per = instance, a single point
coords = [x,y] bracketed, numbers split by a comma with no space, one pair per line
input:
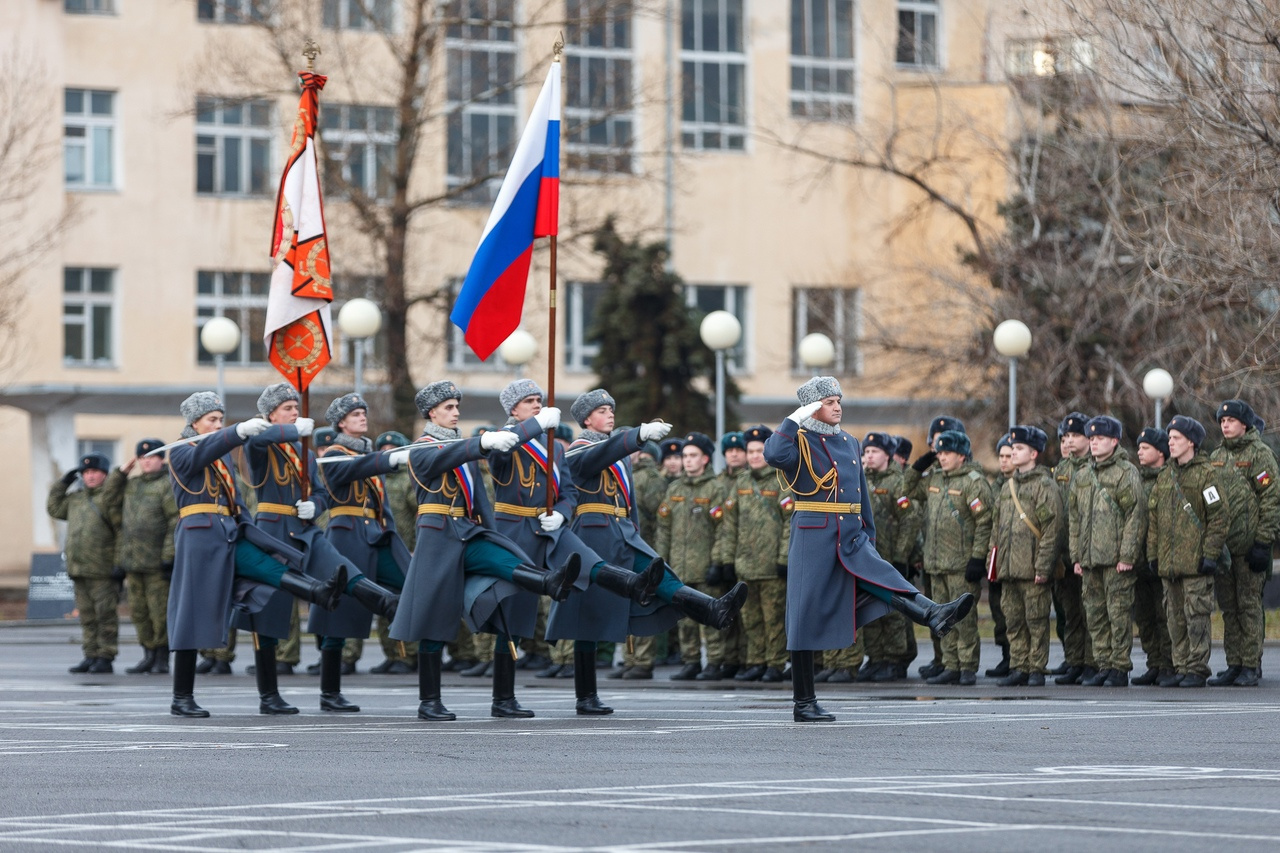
[558,48]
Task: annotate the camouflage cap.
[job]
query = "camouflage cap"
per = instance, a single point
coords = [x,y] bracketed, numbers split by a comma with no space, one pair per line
[343,406]
[517,391]
[588,403]
[819,388]
[200,404]
[273,395]
[434,394]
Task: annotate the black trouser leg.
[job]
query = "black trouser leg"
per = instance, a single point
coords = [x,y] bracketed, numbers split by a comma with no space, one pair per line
[504,688]
[184,685]
[806,709]
[269,699]
[584,680]
[429,705]
[331,698]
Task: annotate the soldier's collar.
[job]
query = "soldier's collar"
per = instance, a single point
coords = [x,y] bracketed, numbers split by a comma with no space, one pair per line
[813,425]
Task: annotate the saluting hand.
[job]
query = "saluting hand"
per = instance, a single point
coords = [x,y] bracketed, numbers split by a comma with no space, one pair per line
[805,411]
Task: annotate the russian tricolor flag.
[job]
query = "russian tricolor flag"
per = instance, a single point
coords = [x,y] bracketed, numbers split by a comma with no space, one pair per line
[528,206]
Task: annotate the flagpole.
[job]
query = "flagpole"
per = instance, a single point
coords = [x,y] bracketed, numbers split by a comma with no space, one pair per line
[558,48]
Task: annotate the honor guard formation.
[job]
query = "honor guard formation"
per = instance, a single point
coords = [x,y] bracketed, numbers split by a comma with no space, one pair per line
[812,557]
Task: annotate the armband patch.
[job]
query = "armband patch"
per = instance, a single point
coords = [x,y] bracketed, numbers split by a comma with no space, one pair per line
[1211,495]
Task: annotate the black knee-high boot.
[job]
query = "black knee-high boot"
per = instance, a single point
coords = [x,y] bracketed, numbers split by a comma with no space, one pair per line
[637,586]
[584,680]
[807,709]
[429,705]
[555,583]
[331,698]
[504,688]
[717,613]
[940,618]
[269,699]
[376,599]
[184,685]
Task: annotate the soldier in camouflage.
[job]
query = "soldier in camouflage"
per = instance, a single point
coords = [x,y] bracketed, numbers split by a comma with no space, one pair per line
[734,449]
[144,550]
[917,494]
[1107,522]
[1068,602]
[650,488]
[1004,461]
[1148,592]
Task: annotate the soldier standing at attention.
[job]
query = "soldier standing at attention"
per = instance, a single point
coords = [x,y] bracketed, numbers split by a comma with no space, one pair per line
[1107,524]
[755,534]
[1004,460]
[1078,660]
[1025,539]
[734,449]
[1148,592]
[1187,528]
[145,551]
[1239,588]
[92,514]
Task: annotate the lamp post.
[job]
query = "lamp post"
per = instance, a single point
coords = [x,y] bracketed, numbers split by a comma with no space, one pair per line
[720,331]
[220,336]
[360,319]
[816,351]
[518,350]
[1013,340]
[1157,385]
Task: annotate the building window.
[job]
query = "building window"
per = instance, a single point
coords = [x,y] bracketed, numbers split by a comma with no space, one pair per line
[822,67]
[835,312]
[599,118]
[458,353]
[89,7]
[580,306]
[705,298]
[233,146]
[1047,57]
[360,149]
[88,316]
[233,11]
[89,138]
[359,14]
[918,33]
[713,73]
[481,55]
[242,297]
[105,446]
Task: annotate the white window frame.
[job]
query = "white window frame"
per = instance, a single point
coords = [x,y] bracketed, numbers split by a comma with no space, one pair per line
[235,11]
[846,322]
[590,62]
[920,9]
[373,145]
[359,15]
[230,298]
[695,133]
[498,109]
[89,302]
[737,301]
[92,7]
[108,447]
[83,132]
[807,102]
[579,353]
[212,139]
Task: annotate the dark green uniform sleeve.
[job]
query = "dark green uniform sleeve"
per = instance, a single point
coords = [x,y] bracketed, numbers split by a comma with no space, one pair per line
[1135,525]
[1217,517]
[1268,494]
[1050,517]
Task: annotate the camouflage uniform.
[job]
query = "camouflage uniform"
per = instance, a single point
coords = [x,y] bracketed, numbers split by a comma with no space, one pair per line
[650,488]
[92,517]
[735,636]
[402,501]
[686,536]
[1107,522]
[144,546]
[1239,589]
[1148,597]
[1188,521]
[1068,599]
[1024,556]
[755,533]
[897,524]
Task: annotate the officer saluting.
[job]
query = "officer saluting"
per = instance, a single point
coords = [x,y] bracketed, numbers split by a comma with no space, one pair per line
[144,550]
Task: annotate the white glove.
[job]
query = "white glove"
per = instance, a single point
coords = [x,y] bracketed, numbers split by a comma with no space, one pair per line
[551,522]
[501,440]
[805,411]
[305,426]
[654,431]
[548,418]
[251,427]
[399,457]
[306,510]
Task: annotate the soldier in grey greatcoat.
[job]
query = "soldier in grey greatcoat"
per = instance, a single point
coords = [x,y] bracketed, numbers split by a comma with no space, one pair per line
[144,550]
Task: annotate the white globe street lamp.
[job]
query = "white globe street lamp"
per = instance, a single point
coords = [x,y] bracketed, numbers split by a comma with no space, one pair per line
[1158,385]
[816,351]
[360,319]
[220,336]
[518,350]
[720,331]
[1012,339]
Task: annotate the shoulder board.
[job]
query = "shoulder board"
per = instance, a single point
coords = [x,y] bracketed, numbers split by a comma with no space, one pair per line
[675,498]
[1244,463]
[745,492]
[1217,463]
[880,491]
[702,500]
[769,493]
[935,489]
[954,492]
[974,475]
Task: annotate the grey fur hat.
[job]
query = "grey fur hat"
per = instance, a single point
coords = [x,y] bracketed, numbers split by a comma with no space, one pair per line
[343,406]
[517,391]
[200,404]
[274,395]
[588,403]
[819,388]
[435,394]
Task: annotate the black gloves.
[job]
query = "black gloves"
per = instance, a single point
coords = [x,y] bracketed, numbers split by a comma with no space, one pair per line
[1148,570]
[1207,566]
[922,464]
[1260,557]
[117,574]
[1154,566]
[974,570]
[728,573]
[70,477]
[166,571]
[781,568]
[715,574]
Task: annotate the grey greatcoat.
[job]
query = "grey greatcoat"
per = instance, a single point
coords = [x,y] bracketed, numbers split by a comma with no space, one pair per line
[360,524]
[205,588]
[437,593]
[601,471]
[830,551]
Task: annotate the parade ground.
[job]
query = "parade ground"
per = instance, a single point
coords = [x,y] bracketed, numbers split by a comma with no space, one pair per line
[97,762]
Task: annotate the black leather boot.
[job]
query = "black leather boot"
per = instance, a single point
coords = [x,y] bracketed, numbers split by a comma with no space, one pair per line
[101,666]
[940,618]
[429,705]
[326,594]
[184,685]
[144,665]
[688,672]
[1001,669]
[637,586]
[83,666]
[504,688]
[376,599]
[555,583]
[807,709]
[161,666]
[717,613]
[331,698]
[584,679]
[269,699]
